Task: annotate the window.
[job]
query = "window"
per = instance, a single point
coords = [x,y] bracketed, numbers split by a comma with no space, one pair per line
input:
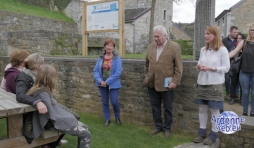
[223,21]
[218,23]
[164,15]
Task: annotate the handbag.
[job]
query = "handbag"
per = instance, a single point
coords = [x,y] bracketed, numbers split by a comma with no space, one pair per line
[235,64]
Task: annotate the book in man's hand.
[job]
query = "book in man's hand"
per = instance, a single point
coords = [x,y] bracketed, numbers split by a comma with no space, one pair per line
[167,81]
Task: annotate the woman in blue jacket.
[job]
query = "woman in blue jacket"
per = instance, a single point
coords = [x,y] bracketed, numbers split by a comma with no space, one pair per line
[107,72]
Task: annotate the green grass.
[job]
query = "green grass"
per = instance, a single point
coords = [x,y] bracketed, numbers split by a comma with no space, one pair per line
[10,5]
[125,136]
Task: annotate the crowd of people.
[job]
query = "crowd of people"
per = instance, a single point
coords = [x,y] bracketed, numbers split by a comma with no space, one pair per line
[34,82]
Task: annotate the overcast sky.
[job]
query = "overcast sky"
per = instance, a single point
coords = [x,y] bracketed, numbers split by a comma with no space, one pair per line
[185,12]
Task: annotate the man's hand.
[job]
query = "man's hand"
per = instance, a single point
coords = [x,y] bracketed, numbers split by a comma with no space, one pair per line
[42,108]
[171,86]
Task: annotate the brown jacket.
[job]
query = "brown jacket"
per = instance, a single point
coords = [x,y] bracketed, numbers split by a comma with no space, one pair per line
[169,64]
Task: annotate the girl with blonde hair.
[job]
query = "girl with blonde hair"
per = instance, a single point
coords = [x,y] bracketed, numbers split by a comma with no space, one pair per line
[62,120]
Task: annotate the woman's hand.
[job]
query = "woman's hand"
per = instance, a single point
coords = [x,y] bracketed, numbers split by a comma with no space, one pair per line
[42,108]
[238,48]
[206,68]
[103,84]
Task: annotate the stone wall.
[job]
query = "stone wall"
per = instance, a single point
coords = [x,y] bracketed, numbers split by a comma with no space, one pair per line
[76,89]
[46,42]
[22,22]
[3,39]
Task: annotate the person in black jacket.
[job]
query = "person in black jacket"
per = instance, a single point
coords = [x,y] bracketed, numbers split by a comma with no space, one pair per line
[24,81]
[230,43]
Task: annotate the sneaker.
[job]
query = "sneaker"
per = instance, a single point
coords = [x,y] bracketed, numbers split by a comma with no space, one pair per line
[45,146]
[227,96]
[198,139]
[245,114]
[232,101]
[166,133]
[63,142]
[155,131]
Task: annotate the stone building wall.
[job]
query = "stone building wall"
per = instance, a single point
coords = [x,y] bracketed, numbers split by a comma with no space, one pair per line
[22,22]
[3,39]
[243,15]
[240,16]
[74,10]
[76,89]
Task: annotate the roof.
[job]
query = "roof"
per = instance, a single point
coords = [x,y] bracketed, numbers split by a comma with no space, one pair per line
[134,13]
[175,25]
[224,12]
[237,4]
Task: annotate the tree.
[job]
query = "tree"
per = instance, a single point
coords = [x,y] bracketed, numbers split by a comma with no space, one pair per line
[152,17]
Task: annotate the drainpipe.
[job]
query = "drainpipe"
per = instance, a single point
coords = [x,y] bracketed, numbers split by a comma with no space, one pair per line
[134,34]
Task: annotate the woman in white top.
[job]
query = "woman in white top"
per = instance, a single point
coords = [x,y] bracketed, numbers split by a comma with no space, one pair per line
[212,65]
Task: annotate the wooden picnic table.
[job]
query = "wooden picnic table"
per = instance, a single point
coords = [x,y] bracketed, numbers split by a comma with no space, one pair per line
[13,112]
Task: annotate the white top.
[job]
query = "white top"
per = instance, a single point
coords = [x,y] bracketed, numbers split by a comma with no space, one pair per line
[217,59]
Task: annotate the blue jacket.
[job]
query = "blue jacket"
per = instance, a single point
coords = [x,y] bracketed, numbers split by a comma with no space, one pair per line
[113,81]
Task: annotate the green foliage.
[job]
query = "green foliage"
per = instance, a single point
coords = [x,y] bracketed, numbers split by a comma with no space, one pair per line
[22,8]
[56,52]
[3,128]
[60,4]
[186,46]
[128,135]
[39,3]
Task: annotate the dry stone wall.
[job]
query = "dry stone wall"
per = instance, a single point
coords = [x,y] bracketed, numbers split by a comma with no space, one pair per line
[76,89]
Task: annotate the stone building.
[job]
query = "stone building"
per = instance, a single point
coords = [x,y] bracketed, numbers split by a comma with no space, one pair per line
[179,34]
[240,15]
[137,21]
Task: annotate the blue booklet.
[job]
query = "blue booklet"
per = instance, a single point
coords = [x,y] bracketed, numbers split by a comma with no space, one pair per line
[167,81]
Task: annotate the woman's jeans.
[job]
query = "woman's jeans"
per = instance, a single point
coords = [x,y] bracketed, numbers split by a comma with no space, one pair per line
[247,84]
[113,95]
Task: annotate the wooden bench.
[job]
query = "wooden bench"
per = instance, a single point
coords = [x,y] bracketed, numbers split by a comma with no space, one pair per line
[13,112]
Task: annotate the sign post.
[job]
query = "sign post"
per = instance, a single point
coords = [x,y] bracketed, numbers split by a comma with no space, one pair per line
[103,16]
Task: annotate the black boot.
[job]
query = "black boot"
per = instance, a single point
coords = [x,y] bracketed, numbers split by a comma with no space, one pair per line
[232,101]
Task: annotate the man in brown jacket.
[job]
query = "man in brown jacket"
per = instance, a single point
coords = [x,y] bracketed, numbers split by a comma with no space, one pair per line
[163,60]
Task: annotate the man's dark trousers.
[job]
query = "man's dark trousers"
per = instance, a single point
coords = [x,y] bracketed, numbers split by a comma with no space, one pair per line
[156,99]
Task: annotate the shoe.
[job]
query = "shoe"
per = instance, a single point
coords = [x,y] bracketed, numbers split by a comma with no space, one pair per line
[155,131]
[118,122]
[252,114]
[245,114]
[62,142]
[201,135]
[208,141]
[107,123]
[198,139]
[232,101]
[45,146]
[211,138]
[166,133]
[227,96]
